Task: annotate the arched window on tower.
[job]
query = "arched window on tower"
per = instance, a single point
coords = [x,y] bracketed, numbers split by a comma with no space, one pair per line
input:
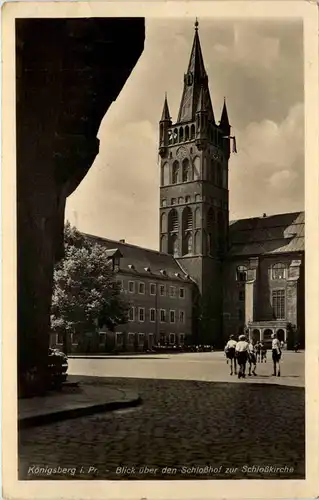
[165,174]
[173,227]
[181,134]
[210,230]
[186,170]
[192,132]
[175,135]
[197,218]
[163,243]
[197,245]
[187,133]
[196,168]
[175,172]
[187,227]
[163,223]
[174,244]
[173,221]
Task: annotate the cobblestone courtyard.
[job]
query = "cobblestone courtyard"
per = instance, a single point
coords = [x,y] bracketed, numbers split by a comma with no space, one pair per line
[231,427]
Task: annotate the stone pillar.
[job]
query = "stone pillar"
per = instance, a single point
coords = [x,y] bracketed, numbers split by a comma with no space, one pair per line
[292,292]
[60,102]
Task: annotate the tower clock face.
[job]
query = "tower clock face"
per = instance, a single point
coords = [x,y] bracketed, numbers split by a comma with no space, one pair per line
[181,153]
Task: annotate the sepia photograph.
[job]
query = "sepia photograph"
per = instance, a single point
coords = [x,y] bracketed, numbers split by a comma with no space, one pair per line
[161,248]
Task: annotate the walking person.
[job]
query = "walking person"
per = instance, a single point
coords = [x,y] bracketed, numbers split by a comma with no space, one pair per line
[276,354]
[242,355]
[252,358]
[230,353]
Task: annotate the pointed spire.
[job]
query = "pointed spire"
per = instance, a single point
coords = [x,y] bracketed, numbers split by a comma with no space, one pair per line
[224,117]
[195,77]
[165,115]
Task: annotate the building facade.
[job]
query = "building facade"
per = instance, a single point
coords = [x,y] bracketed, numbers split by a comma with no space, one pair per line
[212,277]
[160,297]
[249,273]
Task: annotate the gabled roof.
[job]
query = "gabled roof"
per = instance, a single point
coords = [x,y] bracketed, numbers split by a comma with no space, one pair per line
[280,233]
[143,261]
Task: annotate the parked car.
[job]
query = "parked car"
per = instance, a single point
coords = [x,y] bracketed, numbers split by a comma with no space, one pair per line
[58,367]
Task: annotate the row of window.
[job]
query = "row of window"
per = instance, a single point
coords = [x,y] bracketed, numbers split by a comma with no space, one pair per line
[201,243]
[277,272]
[187,172]
[188,132]
[119,338]
[163,316]
[141,288]
[131,337]
[188,199]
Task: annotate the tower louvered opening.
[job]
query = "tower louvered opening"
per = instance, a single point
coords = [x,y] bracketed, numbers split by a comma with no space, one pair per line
[187,219]
[173,221]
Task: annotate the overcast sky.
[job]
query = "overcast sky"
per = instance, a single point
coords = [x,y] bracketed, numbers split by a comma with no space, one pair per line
[258,66]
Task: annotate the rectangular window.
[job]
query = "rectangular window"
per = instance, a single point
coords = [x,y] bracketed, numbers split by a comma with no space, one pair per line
[172,338]
[152,289]
[150,339]
[172,316]
[182,317]
[131,287]
[162,315]
[152,315]
[279,303]
[278,272]
[173,201]
[181,338]
[181,293]
[131,314]
[241,295]
[162,290]
[141,314]
[141,287]
[172,291]
[240,314]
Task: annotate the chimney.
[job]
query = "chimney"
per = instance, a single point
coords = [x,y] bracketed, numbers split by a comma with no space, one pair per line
[122,241]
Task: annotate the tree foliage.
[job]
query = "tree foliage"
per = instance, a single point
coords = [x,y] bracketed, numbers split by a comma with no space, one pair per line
[85,294]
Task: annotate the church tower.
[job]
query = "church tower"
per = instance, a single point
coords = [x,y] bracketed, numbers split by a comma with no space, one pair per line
[194,215]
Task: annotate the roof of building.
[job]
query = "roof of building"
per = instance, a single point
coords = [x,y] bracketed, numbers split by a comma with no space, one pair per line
[143,261]
[280,233]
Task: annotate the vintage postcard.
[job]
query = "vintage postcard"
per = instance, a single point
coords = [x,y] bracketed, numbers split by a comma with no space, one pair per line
[160,214]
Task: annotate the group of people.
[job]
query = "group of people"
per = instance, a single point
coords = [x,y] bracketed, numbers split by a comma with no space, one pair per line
[246,351]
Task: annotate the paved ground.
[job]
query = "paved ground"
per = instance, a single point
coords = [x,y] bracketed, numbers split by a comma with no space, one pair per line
[191,366]
[236,429]
[73,401]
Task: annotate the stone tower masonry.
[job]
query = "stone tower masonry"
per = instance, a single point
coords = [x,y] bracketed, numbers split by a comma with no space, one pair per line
[194,215]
